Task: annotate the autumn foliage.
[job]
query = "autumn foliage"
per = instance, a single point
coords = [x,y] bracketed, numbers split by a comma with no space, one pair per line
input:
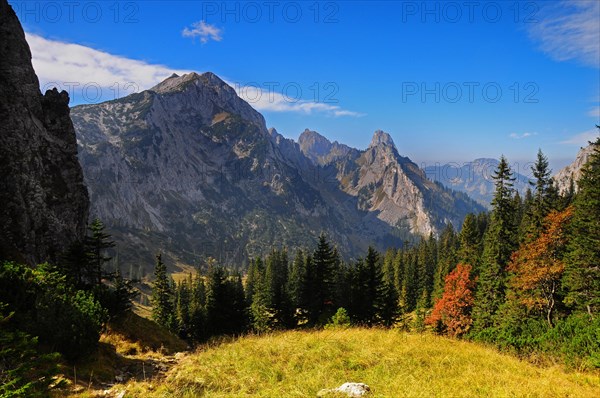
[538,266]
[452,312]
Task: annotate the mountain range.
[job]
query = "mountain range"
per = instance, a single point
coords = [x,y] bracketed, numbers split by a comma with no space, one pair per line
[475,178]
[190,169]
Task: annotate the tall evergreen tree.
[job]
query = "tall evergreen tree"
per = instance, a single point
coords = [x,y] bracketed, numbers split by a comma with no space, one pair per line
[543,191]
[322,282]
[97,243]
[582,270]
[163,305]
[447,259]
[470,243]
[499,244]
[299,287]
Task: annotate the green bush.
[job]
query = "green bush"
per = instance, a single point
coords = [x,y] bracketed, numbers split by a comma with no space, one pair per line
[23,370]
[44,304]
[339,320]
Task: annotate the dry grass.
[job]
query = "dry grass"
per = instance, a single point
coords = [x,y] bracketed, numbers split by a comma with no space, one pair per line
[133,348]
[394,364]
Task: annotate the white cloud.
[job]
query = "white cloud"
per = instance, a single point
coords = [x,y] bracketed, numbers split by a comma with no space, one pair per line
[271,101]
[569,30]
[520,136]
[65,64]
[275,102]
[60,62]
[594,112]
[582,139]
[205,31]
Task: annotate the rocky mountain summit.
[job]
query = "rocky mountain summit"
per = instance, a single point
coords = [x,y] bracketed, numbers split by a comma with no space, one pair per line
[189,168]
[44,200]
[572,172]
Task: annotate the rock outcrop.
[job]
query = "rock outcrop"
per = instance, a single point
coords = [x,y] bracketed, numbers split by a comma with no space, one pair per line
[572,172]
[43,196]
[352,390]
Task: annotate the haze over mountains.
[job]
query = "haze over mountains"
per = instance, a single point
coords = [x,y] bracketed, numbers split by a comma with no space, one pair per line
[190,168]
[475,178]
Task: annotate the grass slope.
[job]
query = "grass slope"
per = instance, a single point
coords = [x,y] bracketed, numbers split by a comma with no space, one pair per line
[394,364]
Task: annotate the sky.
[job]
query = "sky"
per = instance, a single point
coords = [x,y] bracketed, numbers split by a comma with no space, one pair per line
[449,81]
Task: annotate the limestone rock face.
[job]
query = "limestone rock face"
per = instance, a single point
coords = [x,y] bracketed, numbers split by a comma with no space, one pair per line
[563,178]
[44,202]
[190,169]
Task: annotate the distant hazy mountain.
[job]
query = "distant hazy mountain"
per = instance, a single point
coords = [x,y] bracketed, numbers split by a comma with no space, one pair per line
[563,178]
[189,168]
[474,178]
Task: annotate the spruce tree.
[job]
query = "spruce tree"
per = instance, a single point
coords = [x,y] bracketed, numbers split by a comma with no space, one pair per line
[469,242]
[543,192]
[299,288]
[499,243]
[97,243]
[162,296]
[322,282]
[582,270]
[446,261]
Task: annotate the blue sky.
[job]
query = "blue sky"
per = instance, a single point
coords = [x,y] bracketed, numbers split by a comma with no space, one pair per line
[448,80]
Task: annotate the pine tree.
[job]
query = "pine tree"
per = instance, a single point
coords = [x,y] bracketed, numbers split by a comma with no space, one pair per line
[197,327]
[470,242]
[96,246]
[499,243]
[322,282]
[162,296]
[299,287]
[447,259]
[408,294]
[543,192]
[216,298]
[582,273]
[182,308]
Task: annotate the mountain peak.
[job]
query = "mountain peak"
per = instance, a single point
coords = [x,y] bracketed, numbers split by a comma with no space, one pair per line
[177,83]
[380,137]
[311,137]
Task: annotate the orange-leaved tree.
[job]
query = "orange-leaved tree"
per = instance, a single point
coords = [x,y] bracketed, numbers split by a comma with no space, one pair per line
[452,312]
[537,267]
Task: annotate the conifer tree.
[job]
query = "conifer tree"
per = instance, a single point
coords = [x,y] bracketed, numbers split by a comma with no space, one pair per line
[499,244]
[322,282]
[470,242]
[447,259]
[163,305]
[543,192]
[299,287]
[582,272]
[97,243]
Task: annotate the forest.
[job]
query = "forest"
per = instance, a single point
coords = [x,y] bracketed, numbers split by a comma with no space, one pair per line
[524,277]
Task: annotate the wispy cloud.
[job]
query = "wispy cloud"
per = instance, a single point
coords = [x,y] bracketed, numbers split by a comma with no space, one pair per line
[569,30]
[516,136]
[205,31]
[594,112]
[582,139]
[62,64]
[263,100]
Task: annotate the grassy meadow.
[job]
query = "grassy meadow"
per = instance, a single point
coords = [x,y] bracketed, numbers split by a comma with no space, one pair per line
[392,363]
